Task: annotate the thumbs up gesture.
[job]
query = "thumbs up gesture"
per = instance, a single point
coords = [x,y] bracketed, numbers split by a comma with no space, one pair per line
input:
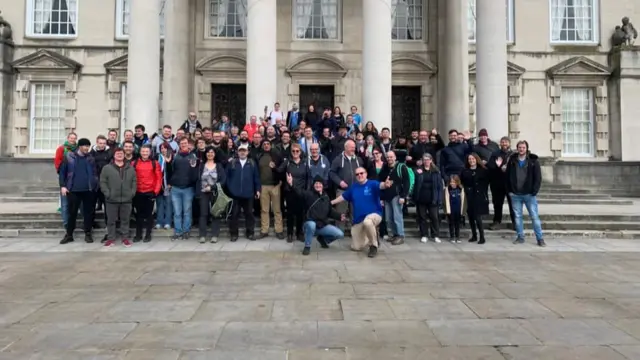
[388,183]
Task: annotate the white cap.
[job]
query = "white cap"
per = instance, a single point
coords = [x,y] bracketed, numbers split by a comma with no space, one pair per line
[243,147]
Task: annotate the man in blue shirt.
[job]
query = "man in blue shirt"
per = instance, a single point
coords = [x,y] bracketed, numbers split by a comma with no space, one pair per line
[367,210]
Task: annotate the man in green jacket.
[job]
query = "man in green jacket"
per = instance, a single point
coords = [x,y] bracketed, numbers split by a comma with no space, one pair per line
[118,184]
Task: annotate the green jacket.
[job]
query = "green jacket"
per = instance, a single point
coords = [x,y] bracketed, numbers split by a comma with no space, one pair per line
[118,184]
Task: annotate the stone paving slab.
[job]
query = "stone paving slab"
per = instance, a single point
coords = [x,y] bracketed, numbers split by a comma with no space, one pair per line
[424,302]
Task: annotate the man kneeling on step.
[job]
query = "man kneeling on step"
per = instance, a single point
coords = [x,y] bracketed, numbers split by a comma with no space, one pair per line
[316,218]
[367,210]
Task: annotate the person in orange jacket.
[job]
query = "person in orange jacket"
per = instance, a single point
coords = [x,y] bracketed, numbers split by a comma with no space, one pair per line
[149,184]
[252,127]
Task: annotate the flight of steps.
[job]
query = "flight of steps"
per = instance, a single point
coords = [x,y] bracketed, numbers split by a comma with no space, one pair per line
[607,223]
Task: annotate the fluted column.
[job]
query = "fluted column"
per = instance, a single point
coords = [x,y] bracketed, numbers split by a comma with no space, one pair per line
[262,87]
[376,62]
[492,106]
[143,69]
[175,85]
[455,114]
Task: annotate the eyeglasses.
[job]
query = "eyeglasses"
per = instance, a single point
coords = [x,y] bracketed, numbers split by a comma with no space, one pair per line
[360,173]
[295,151]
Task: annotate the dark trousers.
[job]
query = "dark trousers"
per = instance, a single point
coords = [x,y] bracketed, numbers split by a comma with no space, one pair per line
[382,228]
[498,194]
[428,213]
[88,201]
[100,204]
[206,200]
[295,213]
[246,206]
[475,223]
[195,210]
[454,220]
[143,203]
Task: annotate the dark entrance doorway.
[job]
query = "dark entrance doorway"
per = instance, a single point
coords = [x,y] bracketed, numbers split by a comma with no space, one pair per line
[405,109]
[229,100]
[320,96]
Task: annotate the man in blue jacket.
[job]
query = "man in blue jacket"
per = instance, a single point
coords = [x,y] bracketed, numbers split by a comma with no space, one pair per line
[243,183]
[452,157]
[78,178]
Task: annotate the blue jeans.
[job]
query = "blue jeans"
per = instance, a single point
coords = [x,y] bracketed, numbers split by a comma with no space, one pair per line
[328,232]
[393,217]
[164,210]
[531,203]
[182,200]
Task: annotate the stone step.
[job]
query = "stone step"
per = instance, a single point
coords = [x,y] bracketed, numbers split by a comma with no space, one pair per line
[411,225]
[53,216]
[444,234]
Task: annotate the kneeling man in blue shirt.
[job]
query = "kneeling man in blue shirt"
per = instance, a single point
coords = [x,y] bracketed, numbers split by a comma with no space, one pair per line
[367,211]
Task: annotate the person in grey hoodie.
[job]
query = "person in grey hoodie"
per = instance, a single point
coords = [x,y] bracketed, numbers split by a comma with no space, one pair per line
[165,137]
[118,184]
[319,166]
[343,175]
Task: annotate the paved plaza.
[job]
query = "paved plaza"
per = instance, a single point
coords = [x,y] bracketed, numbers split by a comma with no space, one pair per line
[575,299]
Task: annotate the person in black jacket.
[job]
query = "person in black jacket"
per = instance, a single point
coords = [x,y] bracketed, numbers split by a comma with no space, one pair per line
[299,170]
[452,157]
[191,124]
[268,162]
[427,144]
[210,173]
[524,179]
[497,166]
[485,147]
[318,212]
[475,180]
[182,174]
[102,155]
[428,194]
[395,197]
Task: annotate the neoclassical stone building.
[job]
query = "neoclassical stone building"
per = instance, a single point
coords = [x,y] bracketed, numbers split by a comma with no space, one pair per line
[545,73]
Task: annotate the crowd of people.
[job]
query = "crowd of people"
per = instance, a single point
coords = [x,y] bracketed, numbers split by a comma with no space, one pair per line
[313,175]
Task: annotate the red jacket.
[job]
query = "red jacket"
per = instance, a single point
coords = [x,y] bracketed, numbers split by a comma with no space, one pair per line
[149,181]
[251,129]
[59,157]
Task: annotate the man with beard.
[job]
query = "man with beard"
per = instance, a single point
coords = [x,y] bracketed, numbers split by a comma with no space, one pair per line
[256,146]
[112,140]
[415,135]
[338,141]
[268,162]
[424,146]
[497,166]
[452,157]
[222,153]
[102,156]
[140,138]
[485,147]
[285,145]
[165,136]
[270,134]
[243,139]
[207,134]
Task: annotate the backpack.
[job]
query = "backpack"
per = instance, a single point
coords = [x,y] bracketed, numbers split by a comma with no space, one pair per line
[153,164]
[412,176]
[222,205]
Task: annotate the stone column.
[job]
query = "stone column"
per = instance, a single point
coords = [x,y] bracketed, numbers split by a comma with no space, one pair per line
[143,68]
[175,84]
[262,66]
[455,114]
[492,106]
[376,62]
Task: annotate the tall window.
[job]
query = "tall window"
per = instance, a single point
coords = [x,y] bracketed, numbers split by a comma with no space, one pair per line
[123,17]
[228,18]
[471,21]
[316,19]
[52,18]
[407,17]
[47,113]
[573,21]
[577,121]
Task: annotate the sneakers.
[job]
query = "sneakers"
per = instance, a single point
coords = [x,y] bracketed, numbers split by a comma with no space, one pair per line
[458,241]
[147,238]
[186,236]
[158,227]
[202,240]
[280,236]
[385,238]
[481,242]
[452,240]
[494,226]
[373,251]
[518,241]
[437,240]
[167,227]
[473,239]
[109,243]
[234,238]
[398,240]
[263,235]
[214,240]
[126,243]
[306,251]
[289,238]
[137,239]
[66,239]
[423,240]
[251,237]
[541,243]
[105,238]
[322,242]
[88,238]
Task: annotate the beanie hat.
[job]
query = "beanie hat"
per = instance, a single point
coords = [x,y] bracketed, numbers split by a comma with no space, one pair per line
[84,142]
[318,178]
[483,132]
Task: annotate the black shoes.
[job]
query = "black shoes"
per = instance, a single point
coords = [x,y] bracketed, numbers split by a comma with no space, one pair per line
[147,238]
[137,238]
[482,241]
[251,237]
[300,237]
[289,238]
[66,239]
[176,237]
[234,238]
[306,251]
[186,236]
[263,235]
[105,238]
[373,251]
[473,239]
[88,238]
[541,243]
[322,242]
[494,226]
[280,236]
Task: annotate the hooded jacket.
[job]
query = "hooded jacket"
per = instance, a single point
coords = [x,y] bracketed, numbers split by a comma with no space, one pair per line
[344,169]
[318,205]
[118,184]
[533,179]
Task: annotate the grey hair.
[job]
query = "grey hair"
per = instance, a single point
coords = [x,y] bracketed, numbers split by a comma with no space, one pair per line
[427,156]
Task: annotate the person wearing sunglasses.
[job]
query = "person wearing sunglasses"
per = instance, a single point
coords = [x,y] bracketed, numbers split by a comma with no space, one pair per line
[364,195]
[299,170]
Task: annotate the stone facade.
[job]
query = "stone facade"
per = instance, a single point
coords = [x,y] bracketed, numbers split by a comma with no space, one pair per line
[93,67]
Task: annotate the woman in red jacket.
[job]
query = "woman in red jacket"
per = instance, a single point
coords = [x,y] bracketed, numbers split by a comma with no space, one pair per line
[149,184]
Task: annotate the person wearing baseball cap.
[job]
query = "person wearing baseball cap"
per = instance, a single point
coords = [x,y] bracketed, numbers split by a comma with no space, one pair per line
[243,182]
[78,180]
[318,212]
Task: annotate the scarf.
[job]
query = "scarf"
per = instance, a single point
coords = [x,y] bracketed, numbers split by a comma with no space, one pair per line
[68,147]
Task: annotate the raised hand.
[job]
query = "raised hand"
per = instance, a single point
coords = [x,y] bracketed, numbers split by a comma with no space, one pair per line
[499,161]
[388,183]
[289,179]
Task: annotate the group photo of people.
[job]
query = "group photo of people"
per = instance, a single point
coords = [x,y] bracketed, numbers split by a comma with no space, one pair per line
[306,175]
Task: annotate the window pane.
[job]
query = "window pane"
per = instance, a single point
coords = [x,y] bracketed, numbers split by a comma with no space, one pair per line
[48,117]
[316,19]
[471,20]
[577,121]
[572,20]
[125,17]
[228,18]
[407,18]
[54,17]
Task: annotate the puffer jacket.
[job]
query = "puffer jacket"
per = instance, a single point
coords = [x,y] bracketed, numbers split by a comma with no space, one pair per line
[318,205]
[149,175]
[118,184]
